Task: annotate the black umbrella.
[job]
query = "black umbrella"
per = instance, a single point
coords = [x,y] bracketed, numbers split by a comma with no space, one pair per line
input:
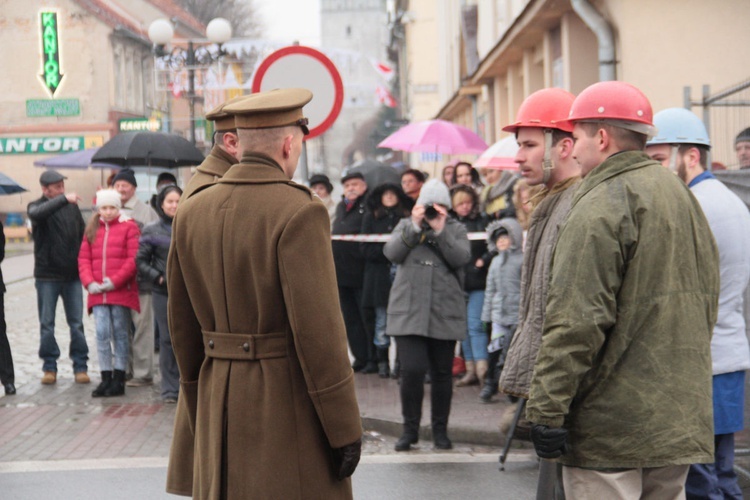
[376,173]
[148,148]
[9,186]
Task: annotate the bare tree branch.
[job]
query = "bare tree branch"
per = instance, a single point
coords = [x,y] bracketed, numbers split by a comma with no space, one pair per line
[242,14]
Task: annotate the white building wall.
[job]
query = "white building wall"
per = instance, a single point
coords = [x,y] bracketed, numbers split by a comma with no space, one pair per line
[354,33]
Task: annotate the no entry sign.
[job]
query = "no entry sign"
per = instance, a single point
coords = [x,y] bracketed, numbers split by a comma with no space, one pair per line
[299,66]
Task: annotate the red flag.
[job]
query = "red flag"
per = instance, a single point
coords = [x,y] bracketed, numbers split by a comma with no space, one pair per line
[383,70]
[385,97]
[176,85]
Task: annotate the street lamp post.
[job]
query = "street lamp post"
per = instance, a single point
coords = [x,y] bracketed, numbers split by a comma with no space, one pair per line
[161,31]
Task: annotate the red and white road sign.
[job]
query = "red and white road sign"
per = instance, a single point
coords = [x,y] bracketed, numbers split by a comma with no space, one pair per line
[304,67]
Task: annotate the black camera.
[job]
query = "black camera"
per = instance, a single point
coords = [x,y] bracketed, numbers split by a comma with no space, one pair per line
[430,212]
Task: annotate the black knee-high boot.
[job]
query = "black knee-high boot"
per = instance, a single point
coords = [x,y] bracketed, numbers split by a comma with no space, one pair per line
[412,393]
[441,395]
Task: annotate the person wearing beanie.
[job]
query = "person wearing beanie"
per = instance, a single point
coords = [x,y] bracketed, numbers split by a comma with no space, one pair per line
[742,148]
[321,186]
[427,309]
[141,358]
[151,260]
[57,229]
[106,263]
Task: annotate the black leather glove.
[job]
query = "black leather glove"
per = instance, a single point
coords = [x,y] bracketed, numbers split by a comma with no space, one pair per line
[549,443]
[346,458]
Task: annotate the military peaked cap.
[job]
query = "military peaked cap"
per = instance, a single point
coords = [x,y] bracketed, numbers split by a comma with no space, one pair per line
[223,121]
[275,108]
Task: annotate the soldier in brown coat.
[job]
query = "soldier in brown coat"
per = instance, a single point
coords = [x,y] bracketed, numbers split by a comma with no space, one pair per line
[267,392]
[225,152]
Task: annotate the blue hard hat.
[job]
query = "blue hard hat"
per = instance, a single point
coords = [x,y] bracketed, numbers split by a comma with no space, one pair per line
[679,126]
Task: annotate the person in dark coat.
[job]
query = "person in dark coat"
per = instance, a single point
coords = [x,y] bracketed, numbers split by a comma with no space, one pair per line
[57,229]
[151,259]
[466,211]
[386,205]
[350,269]
[163,179]
[7,374]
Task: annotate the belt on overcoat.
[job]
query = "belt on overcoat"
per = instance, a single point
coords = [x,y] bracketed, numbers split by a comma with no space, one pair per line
[243,346]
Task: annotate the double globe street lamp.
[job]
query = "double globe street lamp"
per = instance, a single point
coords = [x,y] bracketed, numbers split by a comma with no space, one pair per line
[218,31]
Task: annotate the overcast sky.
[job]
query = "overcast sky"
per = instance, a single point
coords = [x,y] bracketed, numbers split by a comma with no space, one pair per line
[290,20]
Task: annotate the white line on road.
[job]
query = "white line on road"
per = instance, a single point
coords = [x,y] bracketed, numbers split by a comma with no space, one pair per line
[161,462]
[86,464]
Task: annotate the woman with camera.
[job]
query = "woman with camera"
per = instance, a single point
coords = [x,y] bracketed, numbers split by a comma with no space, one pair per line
[426,308]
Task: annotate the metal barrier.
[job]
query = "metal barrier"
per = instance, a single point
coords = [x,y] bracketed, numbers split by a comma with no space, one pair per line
[725,114]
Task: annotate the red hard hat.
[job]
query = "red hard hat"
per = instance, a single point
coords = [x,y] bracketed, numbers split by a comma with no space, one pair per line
[612,100]
[546,108]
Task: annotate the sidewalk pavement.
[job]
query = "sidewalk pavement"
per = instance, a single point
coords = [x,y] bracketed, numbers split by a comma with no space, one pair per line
[63,421]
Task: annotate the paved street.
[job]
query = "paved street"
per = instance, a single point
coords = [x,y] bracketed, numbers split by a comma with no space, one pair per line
[58,441]
[54,439]
[378,477]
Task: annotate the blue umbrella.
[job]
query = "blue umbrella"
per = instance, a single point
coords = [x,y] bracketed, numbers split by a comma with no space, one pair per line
[9,186]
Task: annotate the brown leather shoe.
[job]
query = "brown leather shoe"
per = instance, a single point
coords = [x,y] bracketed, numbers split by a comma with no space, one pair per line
[139,382]
[82,378]
[49,378]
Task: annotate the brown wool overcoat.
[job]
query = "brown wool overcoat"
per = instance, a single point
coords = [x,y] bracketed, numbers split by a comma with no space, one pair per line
[266,386]
[211,170]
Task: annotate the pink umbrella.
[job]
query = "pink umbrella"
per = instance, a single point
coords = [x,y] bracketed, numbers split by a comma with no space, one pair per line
[435,136]
[500,156]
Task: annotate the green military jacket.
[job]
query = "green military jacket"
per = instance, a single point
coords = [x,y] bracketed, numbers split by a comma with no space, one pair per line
[625,362]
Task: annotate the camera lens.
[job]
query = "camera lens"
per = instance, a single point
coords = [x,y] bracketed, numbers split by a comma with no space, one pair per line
[430,212]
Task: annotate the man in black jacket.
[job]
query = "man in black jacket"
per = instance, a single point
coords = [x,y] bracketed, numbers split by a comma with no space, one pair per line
[57,229]
[350,269]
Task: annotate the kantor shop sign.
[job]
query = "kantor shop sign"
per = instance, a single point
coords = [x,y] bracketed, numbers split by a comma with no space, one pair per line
[139,125]
[40,145]
[51,70]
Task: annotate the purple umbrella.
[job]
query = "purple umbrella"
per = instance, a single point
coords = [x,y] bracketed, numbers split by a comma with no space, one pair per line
[77,159]
[435,136]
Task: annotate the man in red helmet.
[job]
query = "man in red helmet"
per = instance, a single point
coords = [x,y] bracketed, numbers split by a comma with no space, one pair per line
[545,159]
[621,390]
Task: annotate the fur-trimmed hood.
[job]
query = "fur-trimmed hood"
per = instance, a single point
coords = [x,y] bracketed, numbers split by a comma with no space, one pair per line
[374,201]
[514,231]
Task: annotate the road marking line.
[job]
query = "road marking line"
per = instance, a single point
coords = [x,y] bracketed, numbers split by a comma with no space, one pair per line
[85,464]
[161,462]
[444,458]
